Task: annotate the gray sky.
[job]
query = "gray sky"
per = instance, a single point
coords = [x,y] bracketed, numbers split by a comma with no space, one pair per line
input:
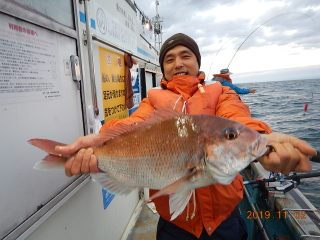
[285,48]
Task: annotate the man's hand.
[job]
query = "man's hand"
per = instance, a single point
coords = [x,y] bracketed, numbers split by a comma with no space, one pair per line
[253,90]
[291,154]
[84,161]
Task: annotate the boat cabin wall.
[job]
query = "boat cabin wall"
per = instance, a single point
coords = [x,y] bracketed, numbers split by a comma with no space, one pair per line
[43,96]
[115,30]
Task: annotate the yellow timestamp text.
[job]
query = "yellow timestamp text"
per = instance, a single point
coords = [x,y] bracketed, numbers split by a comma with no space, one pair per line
[278,215]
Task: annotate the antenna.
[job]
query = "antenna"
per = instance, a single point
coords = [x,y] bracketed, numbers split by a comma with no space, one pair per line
[157,20]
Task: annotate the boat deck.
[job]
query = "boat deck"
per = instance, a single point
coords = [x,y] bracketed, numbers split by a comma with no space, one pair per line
[145,226]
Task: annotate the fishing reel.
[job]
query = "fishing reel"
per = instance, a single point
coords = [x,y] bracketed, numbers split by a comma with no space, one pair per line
[269,194]
[287,182]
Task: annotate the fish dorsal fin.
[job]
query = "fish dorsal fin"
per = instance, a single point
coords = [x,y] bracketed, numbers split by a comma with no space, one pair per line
[111,185]
[160,114]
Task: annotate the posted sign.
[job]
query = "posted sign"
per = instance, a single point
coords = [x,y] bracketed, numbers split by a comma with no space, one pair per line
[29,69]
[112,69]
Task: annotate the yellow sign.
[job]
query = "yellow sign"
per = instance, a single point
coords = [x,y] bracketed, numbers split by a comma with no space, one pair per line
[112,69]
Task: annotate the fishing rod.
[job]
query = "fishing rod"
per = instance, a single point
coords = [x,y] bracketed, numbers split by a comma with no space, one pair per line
[316,158]
[295,176]
[219,51]
[262,25]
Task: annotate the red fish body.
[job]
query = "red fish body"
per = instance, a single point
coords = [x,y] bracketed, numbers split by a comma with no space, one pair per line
[173,152]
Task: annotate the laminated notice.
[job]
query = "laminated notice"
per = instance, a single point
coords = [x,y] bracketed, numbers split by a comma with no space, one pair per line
[152,207]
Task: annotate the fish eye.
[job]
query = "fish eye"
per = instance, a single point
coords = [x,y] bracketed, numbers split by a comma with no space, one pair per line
[230,134]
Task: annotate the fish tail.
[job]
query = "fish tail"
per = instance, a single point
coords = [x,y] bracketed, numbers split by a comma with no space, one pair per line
[54,159]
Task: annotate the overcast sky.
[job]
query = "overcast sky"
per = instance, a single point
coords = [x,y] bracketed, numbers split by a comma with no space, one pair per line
[285,48]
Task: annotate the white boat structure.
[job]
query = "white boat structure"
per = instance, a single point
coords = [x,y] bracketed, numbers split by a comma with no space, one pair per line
[61,76]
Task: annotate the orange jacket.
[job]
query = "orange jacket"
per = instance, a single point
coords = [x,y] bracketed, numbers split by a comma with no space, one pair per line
[213,203]
[225,76]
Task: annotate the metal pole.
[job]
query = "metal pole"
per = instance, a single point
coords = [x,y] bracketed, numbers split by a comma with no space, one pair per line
[258,220]
[160,44]
[155,26]
[91,60]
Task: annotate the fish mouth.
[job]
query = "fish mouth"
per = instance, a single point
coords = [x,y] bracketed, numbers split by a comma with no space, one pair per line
[258,147]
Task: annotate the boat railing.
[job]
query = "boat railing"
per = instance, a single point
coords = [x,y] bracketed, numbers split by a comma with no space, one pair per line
[308,236]
[150,45]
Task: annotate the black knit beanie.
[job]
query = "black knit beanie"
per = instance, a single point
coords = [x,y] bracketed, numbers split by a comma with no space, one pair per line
[179,39]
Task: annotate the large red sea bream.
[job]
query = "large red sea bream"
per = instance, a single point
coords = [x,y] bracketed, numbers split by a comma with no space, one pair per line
[170,151]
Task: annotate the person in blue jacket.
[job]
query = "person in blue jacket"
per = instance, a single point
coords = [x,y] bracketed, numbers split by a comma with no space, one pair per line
[225,80]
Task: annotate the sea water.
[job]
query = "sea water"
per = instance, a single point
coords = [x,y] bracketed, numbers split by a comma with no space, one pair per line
[281,104]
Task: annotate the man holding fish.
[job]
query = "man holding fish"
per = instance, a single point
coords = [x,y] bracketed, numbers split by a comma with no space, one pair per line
[200,210]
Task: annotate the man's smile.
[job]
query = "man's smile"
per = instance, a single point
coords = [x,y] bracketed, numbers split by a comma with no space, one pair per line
[181,73]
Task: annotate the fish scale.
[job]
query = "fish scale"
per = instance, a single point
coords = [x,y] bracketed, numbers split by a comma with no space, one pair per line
[171,144]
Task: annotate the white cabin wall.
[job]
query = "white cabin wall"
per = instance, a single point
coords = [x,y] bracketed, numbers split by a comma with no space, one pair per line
[83,217]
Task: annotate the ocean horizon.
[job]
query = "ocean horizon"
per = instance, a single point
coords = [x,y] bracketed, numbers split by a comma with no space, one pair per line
[245,83]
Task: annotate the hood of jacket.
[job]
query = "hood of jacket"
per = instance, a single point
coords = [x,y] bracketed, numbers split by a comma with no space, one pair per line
[224,76]
[183,84]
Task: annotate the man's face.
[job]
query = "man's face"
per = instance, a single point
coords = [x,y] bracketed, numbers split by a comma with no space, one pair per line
[180,60]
